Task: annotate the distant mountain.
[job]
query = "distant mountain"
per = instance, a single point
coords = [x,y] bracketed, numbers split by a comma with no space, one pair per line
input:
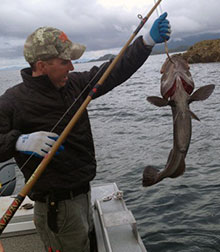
[103,58]
[174,45]
[203,52]
[185,43]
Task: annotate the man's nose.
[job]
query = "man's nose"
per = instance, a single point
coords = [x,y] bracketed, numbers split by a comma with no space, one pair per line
[71,67]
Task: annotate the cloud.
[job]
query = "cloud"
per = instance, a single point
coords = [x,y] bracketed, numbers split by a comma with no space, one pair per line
[190,17]
[99,24]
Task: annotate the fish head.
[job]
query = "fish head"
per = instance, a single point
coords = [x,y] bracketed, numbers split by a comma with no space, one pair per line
[175,68]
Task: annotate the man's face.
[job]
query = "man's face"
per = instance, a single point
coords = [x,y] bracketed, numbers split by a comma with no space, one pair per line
[57,71]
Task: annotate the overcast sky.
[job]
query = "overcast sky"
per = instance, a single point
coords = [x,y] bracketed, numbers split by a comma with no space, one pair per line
[99,24]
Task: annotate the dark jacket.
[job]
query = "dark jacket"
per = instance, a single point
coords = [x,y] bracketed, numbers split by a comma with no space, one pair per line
[36,105]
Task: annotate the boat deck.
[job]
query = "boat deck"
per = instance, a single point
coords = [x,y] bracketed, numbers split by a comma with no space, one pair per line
[24,243]
[115,225]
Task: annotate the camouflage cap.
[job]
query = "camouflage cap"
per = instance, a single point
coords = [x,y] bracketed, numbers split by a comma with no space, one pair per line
[48,42]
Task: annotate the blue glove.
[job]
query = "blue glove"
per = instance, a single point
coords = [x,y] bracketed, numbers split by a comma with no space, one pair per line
[160,31]
[37,143]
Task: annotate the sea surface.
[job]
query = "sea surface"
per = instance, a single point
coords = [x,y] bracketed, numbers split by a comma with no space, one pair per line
[181,214]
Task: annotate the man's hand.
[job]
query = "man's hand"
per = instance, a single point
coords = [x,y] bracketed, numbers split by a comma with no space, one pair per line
[37,143]
[160,31]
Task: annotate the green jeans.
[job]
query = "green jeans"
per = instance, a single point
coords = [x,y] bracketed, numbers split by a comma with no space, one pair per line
[74,221]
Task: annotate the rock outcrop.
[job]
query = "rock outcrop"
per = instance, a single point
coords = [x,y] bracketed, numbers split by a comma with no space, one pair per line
[203,52]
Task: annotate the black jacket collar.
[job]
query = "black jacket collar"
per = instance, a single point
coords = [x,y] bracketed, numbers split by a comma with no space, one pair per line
[39,83]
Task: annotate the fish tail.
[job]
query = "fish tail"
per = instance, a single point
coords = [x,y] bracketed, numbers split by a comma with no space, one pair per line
[150,176]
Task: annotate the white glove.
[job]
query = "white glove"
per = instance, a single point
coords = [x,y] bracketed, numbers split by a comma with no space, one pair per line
[37,143]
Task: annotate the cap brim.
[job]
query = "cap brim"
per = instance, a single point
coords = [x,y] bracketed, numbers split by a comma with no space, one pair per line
[77,51]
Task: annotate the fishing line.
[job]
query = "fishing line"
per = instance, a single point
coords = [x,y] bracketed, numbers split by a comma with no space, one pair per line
[53,128]
[76,100]
[157,11]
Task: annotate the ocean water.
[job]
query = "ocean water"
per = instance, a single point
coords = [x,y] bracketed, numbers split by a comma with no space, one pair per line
[181,214]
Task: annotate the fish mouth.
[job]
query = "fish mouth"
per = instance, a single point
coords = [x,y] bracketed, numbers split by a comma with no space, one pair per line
[187,84]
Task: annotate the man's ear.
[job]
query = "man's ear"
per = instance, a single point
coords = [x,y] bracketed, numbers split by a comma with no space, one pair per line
[41,67]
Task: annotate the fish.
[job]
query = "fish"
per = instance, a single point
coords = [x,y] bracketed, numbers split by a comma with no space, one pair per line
[176,88]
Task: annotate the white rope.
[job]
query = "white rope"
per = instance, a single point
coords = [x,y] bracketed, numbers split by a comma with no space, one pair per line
[116,195]
[159,7]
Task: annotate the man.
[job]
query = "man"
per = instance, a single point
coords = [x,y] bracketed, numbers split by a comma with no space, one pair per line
[31,121]
[1,247]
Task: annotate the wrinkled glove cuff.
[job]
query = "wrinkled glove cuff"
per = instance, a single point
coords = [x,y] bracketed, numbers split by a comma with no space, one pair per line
[148,40]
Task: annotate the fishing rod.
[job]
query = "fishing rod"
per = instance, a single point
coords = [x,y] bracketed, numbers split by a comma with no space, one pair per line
[42,166]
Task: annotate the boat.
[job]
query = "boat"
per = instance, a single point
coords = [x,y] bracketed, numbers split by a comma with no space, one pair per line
[115,226]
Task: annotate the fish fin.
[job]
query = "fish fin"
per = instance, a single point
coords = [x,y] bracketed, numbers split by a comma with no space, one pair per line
[202,93]
[194,116]
[180,170]
[157,101]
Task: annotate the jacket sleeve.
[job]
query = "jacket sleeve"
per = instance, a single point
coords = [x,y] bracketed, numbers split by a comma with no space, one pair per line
[8,136]
[132,59]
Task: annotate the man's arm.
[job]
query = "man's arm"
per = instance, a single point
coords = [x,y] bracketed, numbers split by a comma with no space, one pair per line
[12,140]
[1,248]
[8,136]
[133,58]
